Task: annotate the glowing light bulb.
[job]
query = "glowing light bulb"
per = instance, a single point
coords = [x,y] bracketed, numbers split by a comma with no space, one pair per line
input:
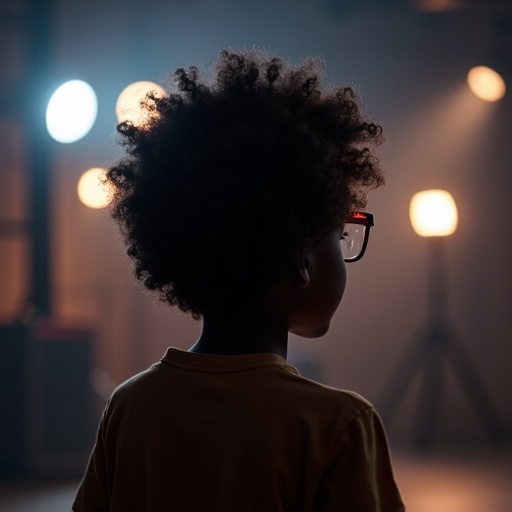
[71,111]
[486,84]
[433,213]
[128,103]
[92,191]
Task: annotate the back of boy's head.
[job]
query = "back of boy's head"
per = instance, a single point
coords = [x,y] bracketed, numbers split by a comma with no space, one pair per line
[229,181]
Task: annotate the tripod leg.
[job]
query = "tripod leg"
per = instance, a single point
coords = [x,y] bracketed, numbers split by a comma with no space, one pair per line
[467,373]
[429,401]
[399,383]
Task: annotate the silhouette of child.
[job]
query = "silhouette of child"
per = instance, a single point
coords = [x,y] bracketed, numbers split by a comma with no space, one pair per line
[232,198]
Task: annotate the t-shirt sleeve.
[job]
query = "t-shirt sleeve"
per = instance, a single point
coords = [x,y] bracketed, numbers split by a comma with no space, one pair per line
[93,494]
[360,477]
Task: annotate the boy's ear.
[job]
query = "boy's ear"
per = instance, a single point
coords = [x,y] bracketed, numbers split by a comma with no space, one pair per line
[303,271]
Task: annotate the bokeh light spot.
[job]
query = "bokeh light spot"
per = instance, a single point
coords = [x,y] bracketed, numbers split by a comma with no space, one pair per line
[92,191]
[71,111]
[128,103]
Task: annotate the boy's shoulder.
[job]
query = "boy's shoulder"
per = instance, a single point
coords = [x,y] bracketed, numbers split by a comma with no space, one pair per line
[267,381]
[326,399]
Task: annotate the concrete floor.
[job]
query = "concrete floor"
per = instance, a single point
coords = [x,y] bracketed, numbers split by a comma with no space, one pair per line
[476,481]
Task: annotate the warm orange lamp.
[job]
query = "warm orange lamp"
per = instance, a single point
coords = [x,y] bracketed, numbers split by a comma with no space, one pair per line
[92,191]
[486,84]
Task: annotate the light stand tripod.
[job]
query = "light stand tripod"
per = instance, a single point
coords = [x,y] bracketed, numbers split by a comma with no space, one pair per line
[438,340]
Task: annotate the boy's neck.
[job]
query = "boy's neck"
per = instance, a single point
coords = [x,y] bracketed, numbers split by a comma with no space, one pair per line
[243,332]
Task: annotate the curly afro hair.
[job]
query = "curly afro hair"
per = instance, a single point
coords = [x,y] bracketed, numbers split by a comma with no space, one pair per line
[229,180]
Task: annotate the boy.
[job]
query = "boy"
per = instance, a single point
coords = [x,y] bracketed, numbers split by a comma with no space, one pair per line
[232,200]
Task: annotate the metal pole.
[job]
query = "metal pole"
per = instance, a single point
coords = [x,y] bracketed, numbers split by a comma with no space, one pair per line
[40,31]
[437,281]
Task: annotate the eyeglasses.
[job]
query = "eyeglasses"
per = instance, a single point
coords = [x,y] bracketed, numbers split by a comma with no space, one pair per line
[354,237]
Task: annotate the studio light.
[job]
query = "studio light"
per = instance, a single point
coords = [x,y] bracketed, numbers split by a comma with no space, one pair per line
[433,213]
[486,84]
[71,111]
[92,191]
[128,106]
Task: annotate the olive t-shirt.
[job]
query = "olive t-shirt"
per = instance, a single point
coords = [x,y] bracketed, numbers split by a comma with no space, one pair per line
[240,433]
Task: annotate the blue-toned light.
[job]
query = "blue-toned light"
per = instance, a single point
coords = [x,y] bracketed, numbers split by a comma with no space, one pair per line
[71,111]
